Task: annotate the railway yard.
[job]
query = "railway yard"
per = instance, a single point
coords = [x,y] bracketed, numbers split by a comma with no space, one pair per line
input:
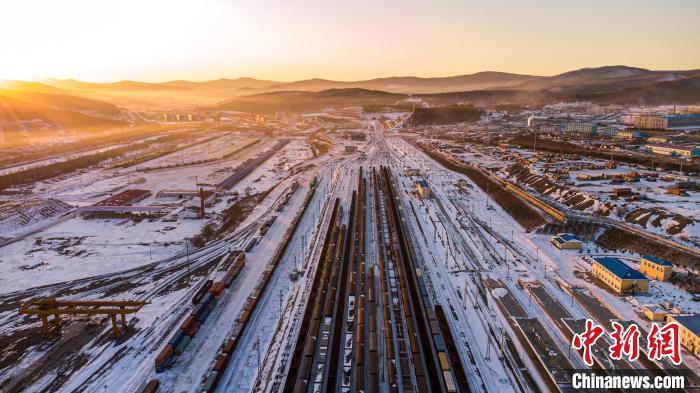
[376,269]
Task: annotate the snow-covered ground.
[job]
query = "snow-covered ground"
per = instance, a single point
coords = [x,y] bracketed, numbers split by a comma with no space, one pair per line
[79,247]
[461,236]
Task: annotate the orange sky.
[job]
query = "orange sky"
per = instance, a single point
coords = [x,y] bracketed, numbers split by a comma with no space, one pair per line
[158,40]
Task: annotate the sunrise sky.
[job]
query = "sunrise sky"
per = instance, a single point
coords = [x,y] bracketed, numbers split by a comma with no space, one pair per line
[158,40]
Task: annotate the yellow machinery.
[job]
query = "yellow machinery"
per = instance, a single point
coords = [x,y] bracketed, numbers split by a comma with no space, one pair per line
[45,307]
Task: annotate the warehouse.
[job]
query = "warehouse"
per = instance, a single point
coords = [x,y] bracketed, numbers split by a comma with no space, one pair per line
[655,268]
[121,211]
[125,198]
[618,276]
[690,331]
[209,195]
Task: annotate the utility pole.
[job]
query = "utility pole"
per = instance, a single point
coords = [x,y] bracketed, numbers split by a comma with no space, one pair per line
[187,246]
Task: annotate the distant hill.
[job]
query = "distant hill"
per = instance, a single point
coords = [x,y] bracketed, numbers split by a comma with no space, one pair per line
[603,78]
[304,101]
[14,110]
[26,101]
[681,91]
[685,91]
[489,87]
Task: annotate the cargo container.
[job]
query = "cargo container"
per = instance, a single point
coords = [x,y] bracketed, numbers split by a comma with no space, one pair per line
[444,365]
[217,288]
[229,281]
[439,343]
[230,346]
[251,243]
[207,297]
[233,271]
[194,329]
[210,382]
[197,310]
[204,314]
[201,291]
[221,362]
[187,324]
[240,261]
[449,382]
[163,359]
[244,316]
[175,339]
[237,330]
[182,345]
[151,386]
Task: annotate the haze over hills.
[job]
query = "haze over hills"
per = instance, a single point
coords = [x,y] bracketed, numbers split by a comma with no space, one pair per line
[617,84]
[73,103]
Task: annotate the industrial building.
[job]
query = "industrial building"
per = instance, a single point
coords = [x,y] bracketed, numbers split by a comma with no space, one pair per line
[654,312]
[655,268]
[669,122]
[618,276]
[674,150]
[121,211]
[689,331]
[209,195]
[630,134]
[566,241]
[125,198]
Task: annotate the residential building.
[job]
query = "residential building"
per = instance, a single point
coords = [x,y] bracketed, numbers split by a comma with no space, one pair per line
[689,331]
[566,241]
[580,128]
[618,276]
[655,268]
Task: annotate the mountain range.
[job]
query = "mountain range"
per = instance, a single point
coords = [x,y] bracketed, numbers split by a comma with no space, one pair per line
[73,103]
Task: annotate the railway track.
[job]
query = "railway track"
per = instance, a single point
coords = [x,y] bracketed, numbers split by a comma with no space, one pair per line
[426,358]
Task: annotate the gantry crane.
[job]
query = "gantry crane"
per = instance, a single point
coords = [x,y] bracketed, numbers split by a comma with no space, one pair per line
[46,307]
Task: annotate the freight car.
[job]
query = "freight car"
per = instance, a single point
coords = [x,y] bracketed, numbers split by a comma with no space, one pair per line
[151,386]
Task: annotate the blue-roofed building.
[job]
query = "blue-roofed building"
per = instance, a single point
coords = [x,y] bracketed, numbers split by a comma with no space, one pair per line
[566,241]
[689,331]
[618,276]
[656,268]
[669,122]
